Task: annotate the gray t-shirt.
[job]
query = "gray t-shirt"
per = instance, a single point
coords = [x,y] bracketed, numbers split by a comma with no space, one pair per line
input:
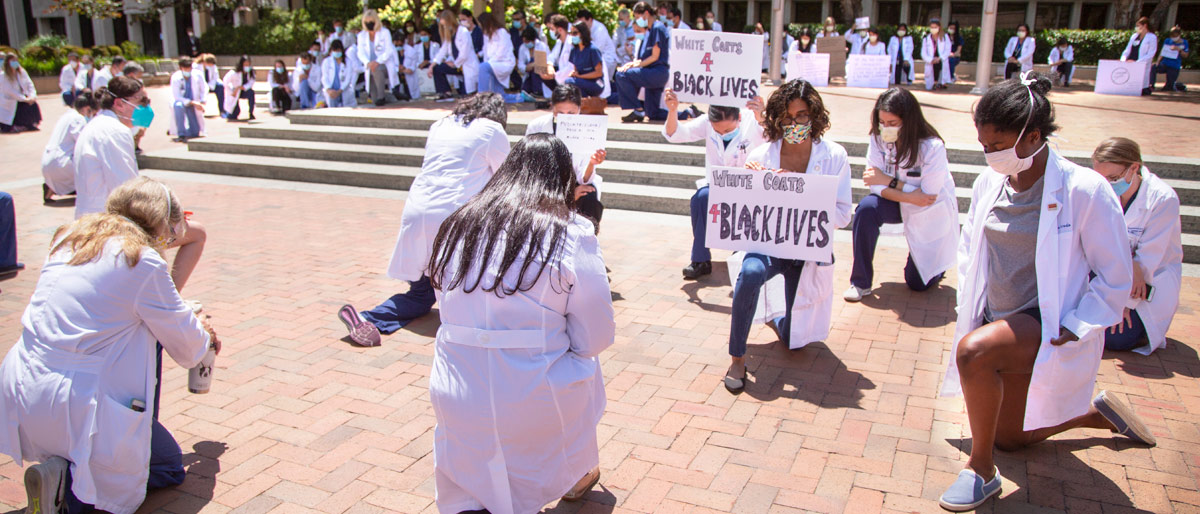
[1010,233]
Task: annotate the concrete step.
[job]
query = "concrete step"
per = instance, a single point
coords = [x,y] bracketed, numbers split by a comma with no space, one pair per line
[379,176]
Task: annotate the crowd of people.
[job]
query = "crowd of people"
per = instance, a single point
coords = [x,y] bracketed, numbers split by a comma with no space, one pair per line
[1055,261]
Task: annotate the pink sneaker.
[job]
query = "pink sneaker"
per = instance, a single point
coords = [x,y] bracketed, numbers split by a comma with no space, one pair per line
[361,332]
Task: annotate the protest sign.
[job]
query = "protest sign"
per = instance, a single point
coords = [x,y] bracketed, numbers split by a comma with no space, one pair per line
[715,68]
[539,62]
[811,67]
[835,47]
[785,215]
[1121,77]
[583,134]
[862,23]
[868,71]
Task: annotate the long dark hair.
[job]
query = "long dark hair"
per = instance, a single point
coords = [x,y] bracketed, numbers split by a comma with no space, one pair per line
[520,216]
[913,128]
[241,66]
[585,34]
[483,105]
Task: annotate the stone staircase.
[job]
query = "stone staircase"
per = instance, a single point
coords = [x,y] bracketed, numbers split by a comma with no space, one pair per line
[383,149]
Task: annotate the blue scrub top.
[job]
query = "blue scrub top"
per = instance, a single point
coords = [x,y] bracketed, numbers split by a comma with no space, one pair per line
[587,60]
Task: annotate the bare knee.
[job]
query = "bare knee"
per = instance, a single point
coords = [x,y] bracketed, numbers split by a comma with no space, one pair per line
[975,352]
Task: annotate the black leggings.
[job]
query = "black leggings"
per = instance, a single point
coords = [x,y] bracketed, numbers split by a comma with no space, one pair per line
[589,205]
[1010,69]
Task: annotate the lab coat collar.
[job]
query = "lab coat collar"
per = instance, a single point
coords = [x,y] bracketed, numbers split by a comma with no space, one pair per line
[1047,243]
[1141,202]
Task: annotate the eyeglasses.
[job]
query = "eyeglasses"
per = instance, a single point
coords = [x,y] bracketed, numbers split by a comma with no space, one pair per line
[800,117]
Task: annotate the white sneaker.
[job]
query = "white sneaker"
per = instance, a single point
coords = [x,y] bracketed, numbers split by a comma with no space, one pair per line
[45,486]
[855,293]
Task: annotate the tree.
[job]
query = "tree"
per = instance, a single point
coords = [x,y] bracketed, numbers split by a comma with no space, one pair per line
[150,9]
[1158,18]
[851,9]
[1127,12]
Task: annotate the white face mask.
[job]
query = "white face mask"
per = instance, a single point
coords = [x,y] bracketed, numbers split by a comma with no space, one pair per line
[1006,162]
[889,134]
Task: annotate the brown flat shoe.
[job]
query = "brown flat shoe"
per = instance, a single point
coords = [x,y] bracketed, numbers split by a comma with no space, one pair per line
[584,485]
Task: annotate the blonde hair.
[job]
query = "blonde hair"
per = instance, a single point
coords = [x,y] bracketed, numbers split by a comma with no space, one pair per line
[1118,150]
[137,212]
[448,25]
[371,15]
[207,58]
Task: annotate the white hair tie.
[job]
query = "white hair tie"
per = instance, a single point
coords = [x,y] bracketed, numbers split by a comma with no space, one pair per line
[1026,79]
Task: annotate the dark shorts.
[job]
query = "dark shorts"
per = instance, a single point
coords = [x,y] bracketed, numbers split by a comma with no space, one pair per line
[1034,312]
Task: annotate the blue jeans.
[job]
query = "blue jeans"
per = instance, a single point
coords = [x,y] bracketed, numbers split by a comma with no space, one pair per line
[872,212]
[587,87]
[441,83]
[8,231]
[248,94]
[699,203]
[308,97]
[757,269]
[487,80]
[1130,338]
[653,79]
[220,92]
[397,311]
[186,124]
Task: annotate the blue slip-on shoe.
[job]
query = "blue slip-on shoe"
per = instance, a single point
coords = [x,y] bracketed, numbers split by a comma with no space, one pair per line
[969,491]
[1127,423]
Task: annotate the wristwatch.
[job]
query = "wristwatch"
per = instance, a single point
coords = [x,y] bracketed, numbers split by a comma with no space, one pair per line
[892,184]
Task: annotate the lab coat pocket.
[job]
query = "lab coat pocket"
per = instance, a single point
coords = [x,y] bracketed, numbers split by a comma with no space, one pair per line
[816,283]
[122,441]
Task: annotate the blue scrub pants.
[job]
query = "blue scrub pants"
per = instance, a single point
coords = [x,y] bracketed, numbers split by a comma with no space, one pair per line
[757,269]
[220,92]
[399,310]
[248,94]
[699,202]
[442,84]
[8,231]
[69,98]
[589,88]
[1130,338]
[186,124]
[653,79]
[532,84]
[872,212]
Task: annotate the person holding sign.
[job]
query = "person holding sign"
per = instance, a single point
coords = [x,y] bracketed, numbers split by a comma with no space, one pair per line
[1170,61]
[567,100]
[648,70]
[729,135]
[527,65]
[1152,216]
[1044,268]
[1019,52]
[935,50]
[793,123]
[900,49]
[909,178]
[588,74]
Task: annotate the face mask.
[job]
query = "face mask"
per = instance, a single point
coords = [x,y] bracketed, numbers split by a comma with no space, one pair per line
[424,39]
[874,39]
[85,67]
[796,133]
[14,64]
[186,74]
[933,30]
[313,53]
[117,74]
[829,28]
[1120,186]
[574,40]
[247,69]
[529,45]
[337,30]
[889,134]
[306,66]
[662,18]
[710,20]
[142,114]
[279,69]
[901,33]
[641,22]
[804,40]
[951,31]
[516,25]
[639,36]
[727,137]
[862,33]
[1021,33]
[409,30]
[335,54]
[370,25]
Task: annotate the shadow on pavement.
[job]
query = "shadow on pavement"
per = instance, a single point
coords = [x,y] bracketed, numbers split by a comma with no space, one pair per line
[1174,359]
[813,374]
[599,501]
[925,309]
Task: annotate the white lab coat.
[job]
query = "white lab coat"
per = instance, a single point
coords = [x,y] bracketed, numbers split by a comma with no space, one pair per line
[104,160]
[1154,236]
[812,312]
[544,124]
[1025,53]
[345,75]
[66,78]
[904,48]
[234,87]
[876,49]
[425,82]
[498,52]
[604,43]
[385,55]
[856,41]
[525,56]
[413,54]
[459,161]
[932,231]
[87,349]
[84,78]
[560,57]
[1145,52]
[1081,230]
[348,40]
[766,64]
[467,60]
[58,159]
[794,47]
[100,78]
[516,384]
[927,54]
[13,91]
[199,93]
[313,78]
[1057,55]
[212,77]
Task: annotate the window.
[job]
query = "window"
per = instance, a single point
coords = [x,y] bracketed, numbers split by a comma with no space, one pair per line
[1052,16]
[1188,16]
[968,14]
[806,12]
[1010,14]
[1093,16]
[763,12]
[58,25]
[734,16]
[919,13]
[889,14]
[693,10]
[86,34]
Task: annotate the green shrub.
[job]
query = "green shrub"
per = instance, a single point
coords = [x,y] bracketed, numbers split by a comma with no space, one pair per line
[602,10]
[51,41]
[276,33]
[323,12]
[129,50]
[81,51]
[43,68]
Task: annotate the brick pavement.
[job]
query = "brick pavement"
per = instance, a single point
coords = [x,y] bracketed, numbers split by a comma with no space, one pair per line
[300,421]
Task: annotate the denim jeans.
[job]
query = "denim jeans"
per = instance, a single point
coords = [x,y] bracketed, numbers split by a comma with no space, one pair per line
[399,310]
[220,92]
[308,97]
[757,269]
[186,124]
[699,204]
[487,80]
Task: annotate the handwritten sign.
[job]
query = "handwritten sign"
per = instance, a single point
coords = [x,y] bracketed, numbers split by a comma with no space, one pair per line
[715,68]
[539,62]
[1121,77]
[811,67]
[862,23]
[583,134]
[785,215]
[835,48]
[868,71]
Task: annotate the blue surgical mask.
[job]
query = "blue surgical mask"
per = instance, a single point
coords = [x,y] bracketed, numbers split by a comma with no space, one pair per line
[142,114]
[529,45]
[1120,186]
[641,22]
[622,23]
[247,69]
[727,137]
[335,54]
[662,18]
[306,66]
[279,69]
[14,64]
[313,53]
[574,40]
[424,39]
[186,74]
[639,36]
[516,25]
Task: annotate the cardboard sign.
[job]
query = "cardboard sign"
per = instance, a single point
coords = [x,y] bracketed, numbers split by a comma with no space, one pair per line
[836,48]
[811,67]
[1121,77]
[785,215]
[715,68]
[539,62]
[868,71]
[862,23]
[583,134]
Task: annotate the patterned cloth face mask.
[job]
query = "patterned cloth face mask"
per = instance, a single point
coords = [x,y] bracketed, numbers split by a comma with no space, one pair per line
[796,133]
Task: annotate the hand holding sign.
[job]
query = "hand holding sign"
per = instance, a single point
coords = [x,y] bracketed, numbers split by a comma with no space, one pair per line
[785,215]
[716,68]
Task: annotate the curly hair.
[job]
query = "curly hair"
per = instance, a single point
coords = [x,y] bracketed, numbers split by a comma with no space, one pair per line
[777,110]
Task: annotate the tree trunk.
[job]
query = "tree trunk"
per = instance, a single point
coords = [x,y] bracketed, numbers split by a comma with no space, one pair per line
[1158,18]
[851,9]
[1127,13]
